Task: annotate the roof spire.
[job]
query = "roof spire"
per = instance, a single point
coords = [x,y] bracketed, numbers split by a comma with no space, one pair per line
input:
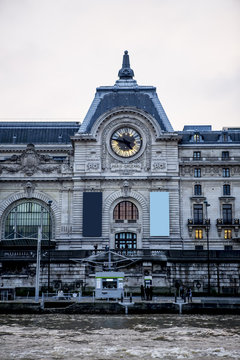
[125,72]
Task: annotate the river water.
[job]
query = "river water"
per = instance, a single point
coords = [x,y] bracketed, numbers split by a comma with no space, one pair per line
[168,337]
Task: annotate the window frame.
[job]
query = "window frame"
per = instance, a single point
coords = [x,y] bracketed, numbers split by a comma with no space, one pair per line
[125,240]
[197,189]
[227,213]
[226,172]
[197,155]
[198,234]
[23,218]
[227,234]
[125,210]
[226,189]
[198,214]
[197,172]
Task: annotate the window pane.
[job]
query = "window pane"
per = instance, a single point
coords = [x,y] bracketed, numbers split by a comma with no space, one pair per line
[226,189]
[227,214]
[125,210]
[198,214]
[23,221]
[225,155]
[226,172]
[197,172]
[126,240]
[198,234]
[197,190]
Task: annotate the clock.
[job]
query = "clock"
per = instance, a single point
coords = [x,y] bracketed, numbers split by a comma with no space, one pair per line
[126,142]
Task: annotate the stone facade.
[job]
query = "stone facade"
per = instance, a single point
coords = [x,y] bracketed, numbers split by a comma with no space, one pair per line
[53,165]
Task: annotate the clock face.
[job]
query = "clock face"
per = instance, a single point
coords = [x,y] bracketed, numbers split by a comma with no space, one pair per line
[126,142]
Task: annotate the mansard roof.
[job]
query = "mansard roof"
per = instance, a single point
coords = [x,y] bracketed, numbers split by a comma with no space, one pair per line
[37,132]
[206,136]
[125,92]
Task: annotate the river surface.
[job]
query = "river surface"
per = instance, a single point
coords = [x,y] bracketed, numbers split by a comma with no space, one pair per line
[168,337]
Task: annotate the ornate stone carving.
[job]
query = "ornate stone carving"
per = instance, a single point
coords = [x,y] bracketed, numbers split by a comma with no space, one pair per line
[92,166]
[29,188]
[126,188]
[158,165]
[29,162]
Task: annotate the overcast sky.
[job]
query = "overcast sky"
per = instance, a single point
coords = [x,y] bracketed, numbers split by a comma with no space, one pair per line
[54,53]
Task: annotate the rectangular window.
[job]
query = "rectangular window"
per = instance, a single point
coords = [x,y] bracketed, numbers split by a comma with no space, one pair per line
[225,155]
[198,247]
[227,234]
[197,172]
[226,189]
[228,247]
[197,155]
[226,172]
[198,234]
[159,213]
[198,214]
[197,189]
[227,214]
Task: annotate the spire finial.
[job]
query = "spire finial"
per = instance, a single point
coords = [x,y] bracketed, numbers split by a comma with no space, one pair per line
[125,72]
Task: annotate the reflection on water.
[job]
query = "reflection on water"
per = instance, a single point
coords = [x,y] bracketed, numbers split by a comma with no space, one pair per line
[167,337]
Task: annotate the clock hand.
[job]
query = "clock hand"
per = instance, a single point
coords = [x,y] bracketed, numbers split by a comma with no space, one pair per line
[127,142]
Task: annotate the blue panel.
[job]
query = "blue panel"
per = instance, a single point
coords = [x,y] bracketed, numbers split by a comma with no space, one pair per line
[92,214]
[159,214]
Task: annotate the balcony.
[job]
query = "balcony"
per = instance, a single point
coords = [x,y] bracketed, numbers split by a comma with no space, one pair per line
[225,222]
[228,224]
[193,224]
[210,159]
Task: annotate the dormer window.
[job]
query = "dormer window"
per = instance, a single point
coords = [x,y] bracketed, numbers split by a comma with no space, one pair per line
[225,137]
[196,138]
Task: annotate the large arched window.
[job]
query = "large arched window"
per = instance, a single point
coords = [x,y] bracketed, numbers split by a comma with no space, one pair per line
[24,219]
[125,210]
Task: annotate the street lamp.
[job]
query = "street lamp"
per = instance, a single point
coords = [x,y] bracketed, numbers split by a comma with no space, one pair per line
[49,241]
[207,222]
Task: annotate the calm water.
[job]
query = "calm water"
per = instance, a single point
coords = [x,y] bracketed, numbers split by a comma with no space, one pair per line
[167,337]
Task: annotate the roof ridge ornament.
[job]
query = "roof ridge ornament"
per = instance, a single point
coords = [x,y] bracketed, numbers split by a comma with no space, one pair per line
[125,72]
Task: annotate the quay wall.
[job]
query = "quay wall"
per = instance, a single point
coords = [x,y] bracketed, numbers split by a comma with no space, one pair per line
[112,307]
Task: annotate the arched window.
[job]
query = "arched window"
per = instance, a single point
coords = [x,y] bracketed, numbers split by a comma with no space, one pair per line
[24,219]
[126,241]
[125,210]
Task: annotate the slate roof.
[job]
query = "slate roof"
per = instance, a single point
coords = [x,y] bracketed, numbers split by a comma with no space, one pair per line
[125,92]
[211,137]
[37,132]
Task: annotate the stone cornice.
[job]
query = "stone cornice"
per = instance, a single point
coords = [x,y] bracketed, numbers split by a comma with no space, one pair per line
[169,137]
[83,137]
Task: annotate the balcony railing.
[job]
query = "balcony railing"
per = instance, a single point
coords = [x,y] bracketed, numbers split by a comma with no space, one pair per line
[204,222]
[225,222]
[211,158]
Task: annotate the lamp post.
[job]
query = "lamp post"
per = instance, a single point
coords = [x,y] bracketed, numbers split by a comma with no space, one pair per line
[49,241]
[207,222]
[38,263]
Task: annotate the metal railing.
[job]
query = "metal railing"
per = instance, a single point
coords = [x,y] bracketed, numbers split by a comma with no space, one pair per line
[211,158]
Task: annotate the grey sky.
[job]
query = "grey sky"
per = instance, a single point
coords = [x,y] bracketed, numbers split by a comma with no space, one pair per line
[54,53]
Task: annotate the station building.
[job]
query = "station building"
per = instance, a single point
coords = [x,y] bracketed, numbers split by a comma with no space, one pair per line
[165,203]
